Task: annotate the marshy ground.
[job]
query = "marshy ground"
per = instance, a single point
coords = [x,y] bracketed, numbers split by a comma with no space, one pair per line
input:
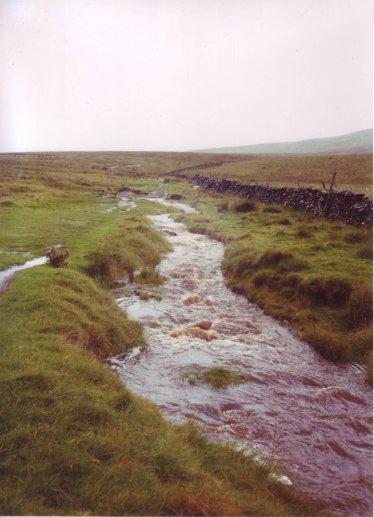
[74,440]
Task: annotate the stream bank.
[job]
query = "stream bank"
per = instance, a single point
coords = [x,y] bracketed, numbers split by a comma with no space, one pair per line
[312,416]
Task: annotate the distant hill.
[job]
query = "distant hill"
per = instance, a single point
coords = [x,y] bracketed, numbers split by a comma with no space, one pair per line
[352,143]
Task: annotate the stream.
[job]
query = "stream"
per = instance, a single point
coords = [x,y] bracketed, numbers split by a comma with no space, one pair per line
[310,415]
[7,274]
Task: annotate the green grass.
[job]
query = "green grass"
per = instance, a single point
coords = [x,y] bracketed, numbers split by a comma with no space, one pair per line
[310,272]
[135,245]
[354,172]
[74,440]
[216,376]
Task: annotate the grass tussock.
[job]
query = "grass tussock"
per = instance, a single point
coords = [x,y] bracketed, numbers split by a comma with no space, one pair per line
[360,307]
[216,376]
[327,290]
[365,252]
[272,209]
[135,245]
[247,205]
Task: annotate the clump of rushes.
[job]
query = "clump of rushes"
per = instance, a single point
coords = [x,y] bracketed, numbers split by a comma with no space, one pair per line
[303,231]
[217,376]
[148,276]
[327,290]
[360,307]
[135,245]
[245,206]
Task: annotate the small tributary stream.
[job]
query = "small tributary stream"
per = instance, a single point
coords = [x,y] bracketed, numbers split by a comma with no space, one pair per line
[7,274]
[314,416]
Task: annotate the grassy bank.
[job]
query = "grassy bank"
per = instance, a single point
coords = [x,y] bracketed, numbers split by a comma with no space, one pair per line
[74,440]
[313,273]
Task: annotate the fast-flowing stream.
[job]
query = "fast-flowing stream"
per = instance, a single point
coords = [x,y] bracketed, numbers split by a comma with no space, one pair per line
[314,416]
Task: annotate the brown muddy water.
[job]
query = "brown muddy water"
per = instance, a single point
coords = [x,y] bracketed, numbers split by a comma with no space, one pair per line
[310,415]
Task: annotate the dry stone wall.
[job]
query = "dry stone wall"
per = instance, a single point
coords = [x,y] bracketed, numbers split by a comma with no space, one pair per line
[350,207]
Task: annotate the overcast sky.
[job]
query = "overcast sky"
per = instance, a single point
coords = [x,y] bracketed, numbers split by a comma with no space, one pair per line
[181,74]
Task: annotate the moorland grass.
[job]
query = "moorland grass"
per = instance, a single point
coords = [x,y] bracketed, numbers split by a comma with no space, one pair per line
[74,440]
[354,172]
[134,246]
[310,272]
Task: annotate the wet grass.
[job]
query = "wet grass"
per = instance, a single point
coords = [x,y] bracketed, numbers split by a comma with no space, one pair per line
[311,273]
[354,172]
[74,440]
[216,376]
[134,245]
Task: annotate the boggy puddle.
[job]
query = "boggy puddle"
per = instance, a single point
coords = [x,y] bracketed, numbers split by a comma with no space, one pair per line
[314,416]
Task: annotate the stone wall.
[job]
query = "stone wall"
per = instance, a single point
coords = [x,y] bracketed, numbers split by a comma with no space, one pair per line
[352,208]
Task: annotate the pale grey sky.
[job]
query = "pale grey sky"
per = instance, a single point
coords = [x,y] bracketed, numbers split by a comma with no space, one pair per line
[181,74]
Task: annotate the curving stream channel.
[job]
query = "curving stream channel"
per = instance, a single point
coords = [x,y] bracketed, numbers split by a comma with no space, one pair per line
[314,416]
